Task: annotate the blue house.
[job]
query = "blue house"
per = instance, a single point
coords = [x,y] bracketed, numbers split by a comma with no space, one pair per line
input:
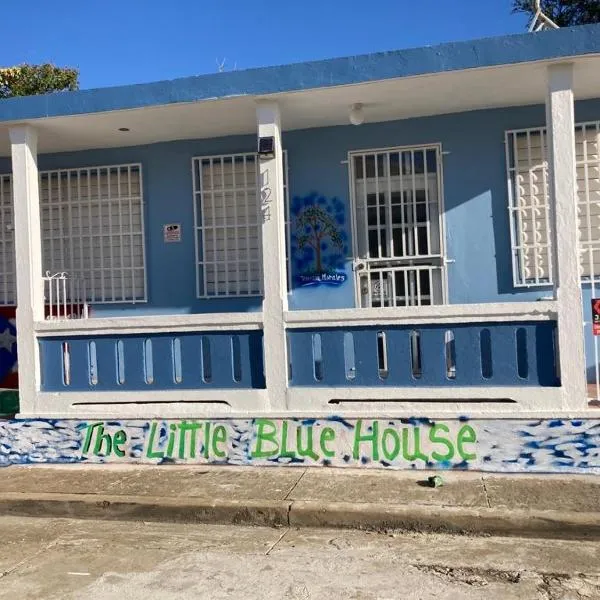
[405,233]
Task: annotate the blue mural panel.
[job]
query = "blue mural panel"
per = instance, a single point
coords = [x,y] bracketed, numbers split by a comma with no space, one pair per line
[319,241]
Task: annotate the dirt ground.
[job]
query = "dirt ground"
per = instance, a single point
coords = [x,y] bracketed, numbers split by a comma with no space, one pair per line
[61,558]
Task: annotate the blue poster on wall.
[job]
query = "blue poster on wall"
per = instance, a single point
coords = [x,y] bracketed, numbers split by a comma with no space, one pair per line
[319,242]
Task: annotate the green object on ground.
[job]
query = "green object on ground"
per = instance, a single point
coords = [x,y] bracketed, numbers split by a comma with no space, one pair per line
[435,481]
[9,402]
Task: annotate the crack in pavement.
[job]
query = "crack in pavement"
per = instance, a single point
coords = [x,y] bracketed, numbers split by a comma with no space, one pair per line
[286,497]
[487,497]
[277,542]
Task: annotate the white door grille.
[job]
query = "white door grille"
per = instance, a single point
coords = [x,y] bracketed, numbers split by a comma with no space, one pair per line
[92,229]
[228,224]
[396,198]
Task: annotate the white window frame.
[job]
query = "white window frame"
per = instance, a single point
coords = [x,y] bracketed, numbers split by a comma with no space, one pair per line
[542,252]
[66,204]
[199,229]
[414,263]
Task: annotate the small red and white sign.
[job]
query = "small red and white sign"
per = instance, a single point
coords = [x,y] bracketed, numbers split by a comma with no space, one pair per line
[596,316]
[172,232]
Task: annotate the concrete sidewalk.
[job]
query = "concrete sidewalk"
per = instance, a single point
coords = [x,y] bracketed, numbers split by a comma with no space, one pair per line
[522,505]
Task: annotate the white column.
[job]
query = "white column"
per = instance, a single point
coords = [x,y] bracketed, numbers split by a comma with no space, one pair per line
[30,291]
[560,119]
[273,257]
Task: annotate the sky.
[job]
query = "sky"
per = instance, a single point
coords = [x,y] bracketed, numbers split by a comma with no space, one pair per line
[117,42]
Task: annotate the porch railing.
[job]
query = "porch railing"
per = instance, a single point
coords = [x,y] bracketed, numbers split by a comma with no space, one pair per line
[65,297]
[428,355]
[452,354]
[389,285]
[153,361]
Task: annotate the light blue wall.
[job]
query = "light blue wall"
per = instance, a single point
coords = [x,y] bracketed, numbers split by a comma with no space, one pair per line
[475,197]
[475,191]
[167,180]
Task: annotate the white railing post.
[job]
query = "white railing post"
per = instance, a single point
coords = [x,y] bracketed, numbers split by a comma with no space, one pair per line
[560,121]
[273,256]
[30,294]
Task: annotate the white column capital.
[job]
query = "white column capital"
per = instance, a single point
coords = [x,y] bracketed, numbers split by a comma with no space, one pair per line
[24,134]
[560,76]
[268,113]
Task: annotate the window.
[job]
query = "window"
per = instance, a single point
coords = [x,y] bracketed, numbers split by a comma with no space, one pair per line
[8,278]
[228,225]
[398,241]
[92,229]
[529,203]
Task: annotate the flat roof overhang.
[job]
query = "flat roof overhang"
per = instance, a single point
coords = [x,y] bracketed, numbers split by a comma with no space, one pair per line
[489,73]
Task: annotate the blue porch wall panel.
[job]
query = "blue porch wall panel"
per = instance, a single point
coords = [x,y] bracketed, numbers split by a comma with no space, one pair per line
[517,354]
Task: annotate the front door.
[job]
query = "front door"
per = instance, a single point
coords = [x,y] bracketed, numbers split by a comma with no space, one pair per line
[398,231]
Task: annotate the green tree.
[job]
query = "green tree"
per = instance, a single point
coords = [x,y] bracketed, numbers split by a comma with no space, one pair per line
[28,80]
[563,12]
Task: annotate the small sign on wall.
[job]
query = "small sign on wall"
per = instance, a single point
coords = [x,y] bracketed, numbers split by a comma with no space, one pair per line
[596,316]
[172,232]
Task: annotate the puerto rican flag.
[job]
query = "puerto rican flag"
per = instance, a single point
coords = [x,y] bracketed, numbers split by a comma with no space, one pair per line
[8,348]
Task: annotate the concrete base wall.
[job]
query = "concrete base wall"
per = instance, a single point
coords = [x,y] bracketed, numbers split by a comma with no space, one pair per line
[493,445]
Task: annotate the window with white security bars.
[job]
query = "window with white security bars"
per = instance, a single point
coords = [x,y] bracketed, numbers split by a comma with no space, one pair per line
[398,245]
[8,273]
[529,203]
[228,224]
[92,229]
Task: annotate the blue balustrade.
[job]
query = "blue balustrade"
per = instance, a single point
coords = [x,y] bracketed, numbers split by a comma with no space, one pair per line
[152,362]
[474,354]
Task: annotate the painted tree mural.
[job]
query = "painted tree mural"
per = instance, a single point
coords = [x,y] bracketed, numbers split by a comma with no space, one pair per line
[314,226]
[319,239]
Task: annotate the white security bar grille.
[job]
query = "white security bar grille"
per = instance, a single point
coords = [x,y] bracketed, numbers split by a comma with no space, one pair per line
[228,225]
[529,203]
[398,226]
[587,152]
[92,229]
[8,286]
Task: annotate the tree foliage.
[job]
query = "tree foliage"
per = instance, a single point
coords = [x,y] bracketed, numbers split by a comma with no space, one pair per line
[29,80]
[563,12]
